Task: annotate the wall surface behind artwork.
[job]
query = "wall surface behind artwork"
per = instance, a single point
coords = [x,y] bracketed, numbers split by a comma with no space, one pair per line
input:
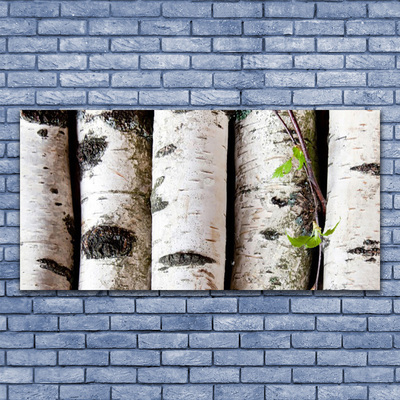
[195,54]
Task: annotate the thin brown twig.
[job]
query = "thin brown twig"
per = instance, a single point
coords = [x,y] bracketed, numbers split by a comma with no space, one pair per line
[286,127]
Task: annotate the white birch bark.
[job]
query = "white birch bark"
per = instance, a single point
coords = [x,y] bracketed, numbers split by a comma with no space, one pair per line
[47,221]
[267,208]
[115,157]
[189,200]
[352,253]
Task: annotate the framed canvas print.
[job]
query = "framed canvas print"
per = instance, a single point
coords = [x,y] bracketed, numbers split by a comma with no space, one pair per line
[200,200]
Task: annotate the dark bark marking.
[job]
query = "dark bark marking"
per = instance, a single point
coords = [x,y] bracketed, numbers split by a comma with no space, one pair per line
[46,117]
[183,259]
[106,241]
[270,234]
[279,202]
[156,202]
[51,265]
[69,223]
[374,251]
[373,169]
[90,151]
[138,122]
[42,133]
[369,242]
[164,151]
[53,190]
[58,204]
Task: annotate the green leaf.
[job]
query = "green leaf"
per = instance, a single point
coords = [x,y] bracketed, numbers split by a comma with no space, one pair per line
[330,231]
[314,241]
[299,156]
[299,241]
[283,169]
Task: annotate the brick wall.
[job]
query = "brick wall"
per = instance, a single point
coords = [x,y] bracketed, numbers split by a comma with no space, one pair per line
[199,345]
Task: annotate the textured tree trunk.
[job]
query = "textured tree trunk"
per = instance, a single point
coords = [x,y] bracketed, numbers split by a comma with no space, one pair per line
[189,200]
[115,160]
[352,253]
[47,220]
[267,208]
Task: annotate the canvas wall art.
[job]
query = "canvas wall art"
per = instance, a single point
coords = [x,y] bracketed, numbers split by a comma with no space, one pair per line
[200,200]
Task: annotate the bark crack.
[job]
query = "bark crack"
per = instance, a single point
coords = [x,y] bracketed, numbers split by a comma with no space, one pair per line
[53,266]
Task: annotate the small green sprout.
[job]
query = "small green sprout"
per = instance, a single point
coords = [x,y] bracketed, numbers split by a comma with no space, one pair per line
[287,166]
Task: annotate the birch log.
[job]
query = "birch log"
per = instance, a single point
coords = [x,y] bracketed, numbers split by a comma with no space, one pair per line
[267,208]
[115,159]
[189,200]
[352,254]
[47,221]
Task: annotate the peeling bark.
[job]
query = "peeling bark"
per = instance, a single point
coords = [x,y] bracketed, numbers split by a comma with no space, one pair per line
[352,253]
[189,200]
[115,158]
[266,208]
[47,221]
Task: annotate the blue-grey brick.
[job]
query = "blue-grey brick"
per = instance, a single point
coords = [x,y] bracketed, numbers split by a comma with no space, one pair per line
[194,45]
[386,238]
[13,150]
[261,96]
[396,275]
[32,323]
[268,27]
[109,305]
[165,27]
[137,79]
[135,44]
[180,9]
[84,79]
[212,305]
[83,357]
[396,303]
[345,10]
[163,340]
[162,375]
[111,340]
[368,97]
[36,9]
[61,27]
[266,375]
[9,235]
[318,27]
[260,340]
[342,358]
[61,97]
[14,340]
[238,357]
[386,167]
[84,322]
[16,375]
[61,61]
[136,392]
[135,322]
[390,254]
[289,357]
[60,375]
[367,306]
[368,374]
[387,44]
[3,324]
[264,305]
[387,323]
[288,45]
[381,392]
[136,9]
[32,79]
[365,27]
[164,61]
[160,305]
[154,98]
[135,357]
[237,45]
[317,375]
[187,79]
[239,392]
[31,357]
[214,375]
[217,27]
[128,97]
[17,26]
[381,79]
[290,392]
[214,340]
[32,45]
[113,61]
[289,323]
[89,45]
[342,78]
[319,340]
[289,79]
[187,323]
[370,61]
[367,340]
[87,392]
[10,270]
[288,10]
[237,10]
[3,9]
[341,323]
[85,9]
[57,306]
[341,45]
[384,357]
[319,61]
[344,392]
[186,357]
[218,97]
[13,183]
[320,305]
[113,26]
[389,9]
[17,61]
[111,375]
[317,96]
[240,323]
[238,80]
[179,392]
[2,45]
[33,392]
[15,306]
[215,62]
